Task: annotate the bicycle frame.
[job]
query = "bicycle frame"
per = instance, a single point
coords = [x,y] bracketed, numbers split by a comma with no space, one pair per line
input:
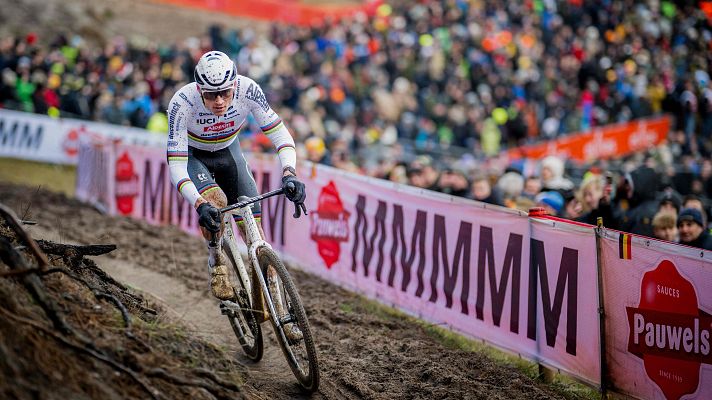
[300,352]
[253,241]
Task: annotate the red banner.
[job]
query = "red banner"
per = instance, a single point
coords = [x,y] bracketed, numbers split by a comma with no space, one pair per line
[291,12]
[604,142]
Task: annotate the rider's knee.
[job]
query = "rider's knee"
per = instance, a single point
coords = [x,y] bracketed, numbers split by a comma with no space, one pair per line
[216,197]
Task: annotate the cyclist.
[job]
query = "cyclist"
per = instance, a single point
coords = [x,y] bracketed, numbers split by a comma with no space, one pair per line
[204,156]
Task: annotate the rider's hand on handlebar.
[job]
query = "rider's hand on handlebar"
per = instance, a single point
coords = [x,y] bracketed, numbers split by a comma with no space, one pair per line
[295,192]
[209,217]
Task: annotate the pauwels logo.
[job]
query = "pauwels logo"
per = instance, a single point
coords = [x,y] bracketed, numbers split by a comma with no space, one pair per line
[329,224]
[126,188]
[669,332]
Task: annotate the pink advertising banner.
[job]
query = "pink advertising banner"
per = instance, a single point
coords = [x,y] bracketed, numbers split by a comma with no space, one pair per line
[485,271]
[658,302]
[132,181]
[524,285]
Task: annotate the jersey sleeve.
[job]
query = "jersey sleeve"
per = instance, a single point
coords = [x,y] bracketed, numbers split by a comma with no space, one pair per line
[177,149]
[271,125]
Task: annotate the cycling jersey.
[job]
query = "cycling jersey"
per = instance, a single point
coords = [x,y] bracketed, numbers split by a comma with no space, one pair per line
[191,124]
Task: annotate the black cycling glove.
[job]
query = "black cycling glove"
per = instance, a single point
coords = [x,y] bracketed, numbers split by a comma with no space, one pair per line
[209,217]
[296,193]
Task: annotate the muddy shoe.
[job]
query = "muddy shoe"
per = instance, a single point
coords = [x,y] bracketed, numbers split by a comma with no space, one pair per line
[220,283]
[293,333]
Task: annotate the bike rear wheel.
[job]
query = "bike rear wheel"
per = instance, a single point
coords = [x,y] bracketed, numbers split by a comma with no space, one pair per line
[301,355]
[246,327]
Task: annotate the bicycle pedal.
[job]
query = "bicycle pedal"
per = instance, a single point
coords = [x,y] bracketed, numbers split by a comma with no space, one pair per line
[287,319]
[229,308]
[224,310]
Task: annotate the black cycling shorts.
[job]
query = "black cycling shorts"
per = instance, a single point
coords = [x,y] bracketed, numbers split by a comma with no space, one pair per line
[226,169]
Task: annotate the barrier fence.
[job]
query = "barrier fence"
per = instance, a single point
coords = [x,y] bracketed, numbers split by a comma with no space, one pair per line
[529,285]
[41,138]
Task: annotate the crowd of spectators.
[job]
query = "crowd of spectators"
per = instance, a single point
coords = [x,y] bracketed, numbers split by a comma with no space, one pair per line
[454,80]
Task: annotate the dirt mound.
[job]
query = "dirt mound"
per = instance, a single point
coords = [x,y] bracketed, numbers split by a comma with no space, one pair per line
[69,331]
[365,353]
[98,21]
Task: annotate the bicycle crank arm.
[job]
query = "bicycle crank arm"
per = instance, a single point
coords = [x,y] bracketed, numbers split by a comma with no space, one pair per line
[229,308]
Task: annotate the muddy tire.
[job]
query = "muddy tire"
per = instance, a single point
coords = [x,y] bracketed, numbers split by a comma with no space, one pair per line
[245,325]
[301,355]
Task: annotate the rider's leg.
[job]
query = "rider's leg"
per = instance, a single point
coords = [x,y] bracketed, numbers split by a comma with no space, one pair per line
[219,279]
[200,167]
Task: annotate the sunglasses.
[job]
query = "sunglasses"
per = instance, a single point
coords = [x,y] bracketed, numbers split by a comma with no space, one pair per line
[225,94]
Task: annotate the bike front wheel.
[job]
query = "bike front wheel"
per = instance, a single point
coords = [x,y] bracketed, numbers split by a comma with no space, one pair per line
[301,354]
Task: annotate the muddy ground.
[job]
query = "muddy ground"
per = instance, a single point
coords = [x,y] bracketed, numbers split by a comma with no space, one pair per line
[364,353]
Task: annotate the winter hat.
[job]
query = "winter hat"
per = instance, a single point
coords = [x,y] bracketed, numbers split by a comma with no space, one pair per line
[552,199]
[690,214]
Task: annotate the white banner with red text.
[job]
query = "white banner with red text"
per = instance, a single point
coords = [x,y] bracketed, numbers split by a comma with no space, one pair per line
[41,138]
[658,302]
[527,286]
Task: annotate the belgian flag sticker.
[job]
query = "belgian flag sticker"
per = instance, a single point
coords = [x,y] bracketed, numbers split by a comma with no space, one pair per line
[624,246]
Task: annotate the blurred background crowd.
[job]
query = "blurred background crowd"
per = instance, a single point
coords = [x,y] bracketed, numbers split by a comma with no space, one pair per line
[425,93]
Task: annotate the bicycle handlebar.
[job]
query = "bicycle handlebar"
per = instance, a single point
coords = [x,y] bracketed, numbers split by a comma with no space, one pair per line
[252,200]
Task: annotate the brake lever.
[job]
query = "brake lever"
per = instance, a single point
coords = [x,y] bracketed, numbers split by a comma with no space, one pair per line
[298,208]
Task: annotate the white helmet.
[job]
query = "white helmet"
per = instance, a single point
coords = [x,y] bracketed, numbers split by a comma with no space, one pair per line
[215,71]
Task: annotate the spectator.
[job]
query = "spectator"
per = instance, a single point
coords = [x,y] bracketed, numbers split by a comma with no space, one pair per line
[596,202]
[693,201]
[669,203]
[398,174]
[316,150]
[692,229]
[552,201]
[665,226]
[552,175]
[573,207]
[637,201]
[423,174]
[453,182]
[481,190]
[532,187]
[510,187]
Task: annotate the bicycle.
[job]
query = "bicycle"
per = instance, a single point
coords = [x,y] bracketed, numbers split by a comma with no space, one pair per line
[245,310]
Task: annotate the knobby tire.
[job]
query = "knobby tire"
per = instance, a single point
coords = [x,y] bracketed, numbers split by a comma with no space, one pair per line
[309,380]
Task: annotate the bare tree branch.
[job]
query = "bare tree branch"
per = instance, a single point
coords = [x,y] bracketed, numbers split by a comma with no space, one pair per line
[15,225]
[86,250]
